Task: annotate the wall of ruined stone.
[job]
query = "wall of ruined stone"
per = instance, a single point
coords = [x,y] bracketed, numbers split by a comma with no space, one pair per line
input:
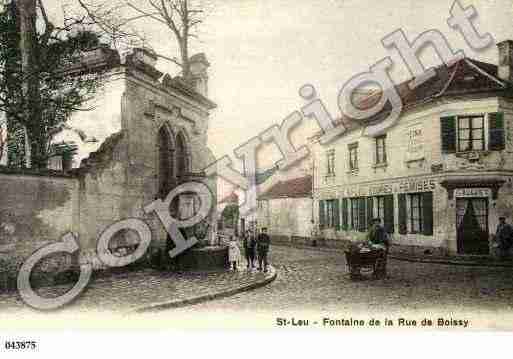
[35,210]
[147,107]
[118,176]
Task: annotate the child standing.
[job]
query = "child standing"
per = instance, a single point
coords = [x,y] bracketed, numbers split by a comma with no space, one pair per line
[233,253]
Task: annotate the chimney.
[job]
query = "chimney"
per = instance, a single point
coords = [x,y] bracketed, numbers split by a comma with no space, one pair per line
[506,60]
[145,56]
[199,77]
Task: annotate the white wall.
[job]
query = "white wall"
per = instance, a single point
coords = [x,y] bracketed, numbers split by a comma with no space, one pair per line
[286,216]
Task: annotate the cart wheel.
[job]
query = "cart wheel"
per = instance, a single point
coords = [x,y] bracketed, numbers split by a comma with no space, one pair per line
[354,273]
[380,274]
[380,270]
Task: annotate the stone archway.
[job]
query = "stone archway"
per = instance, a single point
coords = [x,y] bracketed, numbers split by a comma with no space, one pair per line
[166,161]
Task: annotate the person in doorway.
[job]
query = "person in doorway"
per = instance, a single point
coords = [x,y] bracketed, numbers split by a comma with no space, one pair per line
[233,253]
[503,236]
[263,244]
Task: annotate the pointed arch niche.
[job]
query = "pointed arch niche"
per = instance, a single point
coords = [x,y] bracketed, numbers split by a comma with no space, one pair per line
[182,153]
[166,160]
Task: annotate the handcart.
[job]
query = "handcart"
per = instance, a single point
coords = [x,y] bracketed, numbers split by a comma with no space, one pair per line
[373,260]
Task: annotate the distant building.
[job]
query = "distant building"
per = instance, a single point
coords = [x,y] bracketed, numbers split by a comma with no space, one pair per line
[286,209]
[440,177]
[228,213]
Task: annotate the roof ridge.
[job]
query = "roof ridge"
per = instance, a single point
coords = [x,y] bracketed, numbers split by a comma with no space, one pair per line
[484,72]
[299,187]
[449,80]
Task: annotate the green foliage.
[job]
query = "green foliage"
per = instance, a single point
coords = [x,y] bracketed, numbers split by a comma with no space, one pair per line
[61,91]
[64,149]
[231,215]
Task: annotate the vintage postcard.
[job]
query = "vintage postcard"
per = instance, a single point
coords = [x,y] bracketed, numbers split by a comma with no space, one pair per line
[241,164]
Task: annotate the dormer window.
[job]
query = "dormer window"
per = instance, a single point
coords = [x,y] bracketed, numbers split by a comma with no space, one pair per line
[471,133]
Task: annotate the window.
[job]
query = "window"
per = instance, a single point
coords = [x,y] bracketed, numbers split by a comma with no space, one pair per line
[330,160]
[415,213]
[329,213]
[467,133]
[354,213]
[381,153]
[383,208]
[471,133]
[353,156]
[330,209]
[358,218]
[380,208]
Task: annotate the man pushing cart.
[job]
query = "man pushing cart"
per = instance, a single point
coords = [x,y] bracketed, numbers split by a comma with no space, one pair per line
[370,255]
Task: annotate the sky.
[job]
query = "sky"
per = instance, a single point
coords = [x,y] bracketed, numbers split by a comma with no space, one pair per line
[262,51]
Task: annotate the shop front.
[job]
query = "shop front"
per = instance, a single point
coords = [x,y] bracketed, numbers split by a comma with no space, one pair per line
[476,203]
[433,214]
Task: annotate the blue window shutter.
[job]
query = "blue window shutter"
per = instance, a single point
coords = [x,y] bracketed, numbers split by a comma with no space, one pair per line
[345,222]
[321,213]
[496,140]
[336,214]
[448,134]
[403,228]
[388,221]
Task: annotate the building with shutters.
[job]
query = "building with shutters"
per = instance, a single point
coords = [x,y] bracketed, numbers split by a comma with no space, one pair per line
[440,177]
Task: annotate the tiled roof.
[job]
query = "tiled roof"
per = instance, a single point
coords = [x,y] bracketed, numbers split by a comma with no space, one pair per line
[294,188]
[466,76]
[231,198]
[261,177]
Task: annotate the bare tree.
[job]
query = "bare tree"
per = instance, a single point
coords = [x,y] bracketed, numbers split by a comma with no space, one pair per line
[35,53]
[119,20]
[3,136]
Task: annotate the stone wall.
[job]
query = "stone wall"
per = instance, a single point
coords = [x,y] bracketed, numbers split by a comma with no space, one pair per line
[118,179]
[35,210]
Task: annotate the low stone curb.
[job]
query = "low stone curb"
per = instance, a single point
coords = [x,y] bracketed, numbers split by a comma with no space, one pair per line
[406,258]
[450,261]
[205,297]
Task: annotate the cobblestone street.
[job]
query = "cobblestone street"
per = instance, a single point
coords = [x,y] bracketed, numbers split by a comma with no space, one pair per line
[142,289]
[313,280]
[308,281]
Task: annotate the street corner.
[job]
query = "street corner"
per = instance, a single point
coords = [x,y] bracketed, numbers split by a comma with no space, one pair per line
[218,285]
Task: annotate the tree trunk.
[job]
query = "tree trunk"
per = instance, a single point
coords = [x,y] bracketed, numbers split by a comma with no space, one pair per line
[186,71]
[32,116]
[184,43]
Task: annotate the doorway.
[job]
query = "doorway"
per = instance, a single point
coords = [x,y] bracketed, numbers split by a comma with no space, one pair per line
[472,225]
